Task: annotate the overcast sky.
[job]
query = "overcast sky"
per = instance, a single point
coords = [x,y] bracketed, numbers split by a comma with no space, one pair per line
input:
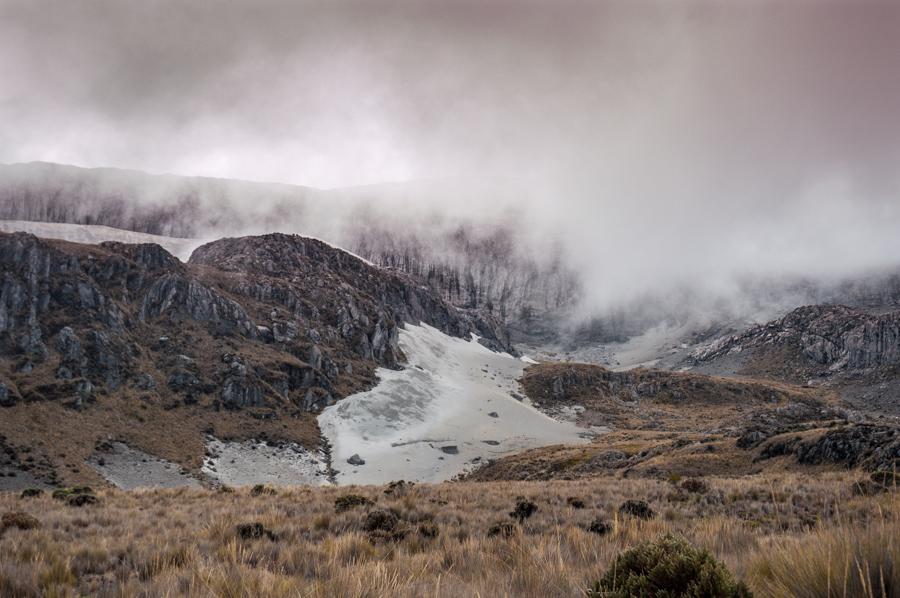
[769,130]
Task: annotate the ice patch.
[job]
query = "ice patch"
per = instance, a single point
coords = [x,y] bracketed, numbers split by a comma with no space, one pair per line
[450,409]
[248,463]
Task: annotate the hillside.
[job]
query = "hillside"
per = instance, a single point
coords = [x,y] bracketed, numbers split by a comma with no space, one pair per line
[673,424]
[855,351]
[250,340]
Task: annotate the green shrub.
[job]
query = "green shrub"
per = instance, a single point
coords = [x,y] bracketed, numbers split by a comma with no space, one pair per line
[668,567]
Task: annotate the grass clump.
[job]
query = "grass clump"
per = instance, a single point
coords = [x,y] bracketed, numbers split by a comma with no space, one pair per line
[261,490]
[18,520]
[695,486]
[76,496]
[667,567]
[524,510]
[503,529]
[254,531]
[351,501]
[637,508]
[575,502]
[32,493]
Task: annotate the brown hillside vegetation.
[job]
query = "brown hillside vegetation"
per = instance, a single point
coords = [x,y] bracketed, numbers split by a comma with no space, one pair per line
[683,424]
[783,535]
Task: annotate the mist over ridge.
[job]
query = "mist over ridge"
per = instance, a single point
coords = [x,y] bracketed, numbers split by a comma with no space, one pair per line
[705,160]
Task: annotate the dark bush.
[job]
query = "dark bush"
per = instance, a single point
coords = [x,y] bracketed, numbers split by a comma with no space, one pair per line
[503,530]
[429,529]
[380,519]
[64,494]
[261,489]
[80,500]
[668,567]
[32,493]
[600,527]
[637,508]
[694,485]
[575,502]
[253,531]
[524,509]
[867,488]
[18,520]
[350,501]
[888,479]
[398,488]
[384,526]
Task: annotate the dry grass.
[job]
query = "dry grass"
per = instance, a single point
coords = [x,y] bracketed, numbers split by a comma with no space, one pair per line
[784,535]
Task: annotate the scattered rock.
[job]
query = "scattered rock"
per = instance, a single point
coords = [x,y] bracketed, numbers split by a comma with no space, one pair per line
[493,414]
[450,449]
[355,459]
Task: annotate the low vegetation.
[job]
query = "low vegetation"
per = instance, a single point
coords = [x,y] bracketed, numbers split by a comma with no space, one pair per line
[779,535]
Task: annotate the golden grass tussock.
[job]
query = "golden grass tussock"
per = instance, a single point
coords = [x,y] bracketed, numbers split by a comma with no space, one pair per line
[780,534]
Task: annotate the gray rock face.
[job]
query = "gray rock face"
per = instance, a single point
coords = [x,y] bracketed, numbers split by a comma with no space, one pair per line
[835,336]
[178,296]
[238,388]
[872,447]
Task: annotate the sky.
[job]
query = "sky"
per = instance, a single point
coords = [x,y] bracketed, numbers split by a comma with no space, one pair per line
[680,140]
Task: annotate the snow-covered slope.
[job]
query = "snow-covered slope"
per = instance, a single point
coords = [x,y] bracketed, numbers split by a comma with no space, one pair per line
[450,409]
[94,234]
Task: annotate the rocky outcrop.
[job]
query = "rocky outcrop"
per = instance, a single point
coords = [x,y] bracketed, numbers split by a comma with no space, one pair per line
[178,297]
[872,447]
[365,304]
[569,383]
[834,336]
[279,323]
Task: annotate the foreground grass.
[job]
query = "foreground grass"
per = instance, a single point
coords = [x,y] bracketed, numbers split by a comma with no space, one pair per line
[785,535]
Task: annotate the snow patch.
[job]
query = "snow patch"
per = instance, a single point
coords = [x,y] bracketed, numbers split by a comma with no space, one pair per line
[449,410]
[94,234]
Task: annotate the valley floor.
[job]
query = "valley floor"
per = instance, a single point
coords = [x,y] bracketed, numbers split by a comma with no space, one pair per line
[784,535]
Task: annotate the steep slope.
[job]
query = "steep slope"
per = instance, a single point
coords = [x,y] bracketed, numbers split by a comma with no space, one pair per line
[250,339]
